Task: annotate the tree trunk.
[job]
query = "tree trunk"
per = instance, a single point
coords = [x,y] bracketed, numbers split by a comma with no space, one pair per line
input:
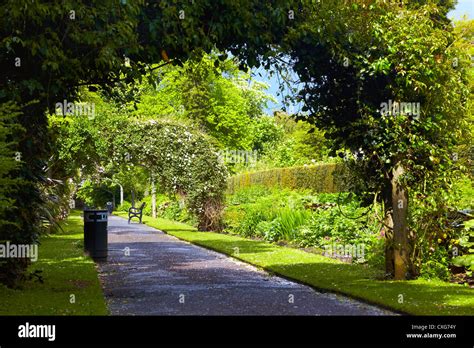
[133,198]
[388,228]
[401,245]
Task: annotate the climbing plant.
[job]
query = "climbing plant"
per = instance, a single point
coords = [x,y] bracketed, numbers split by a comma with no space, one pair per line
[395,96]
[111,146]
[182,160]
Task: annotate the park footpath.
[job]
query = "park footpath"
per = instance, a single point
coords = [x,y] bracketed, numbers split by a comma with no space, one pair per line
[151,273]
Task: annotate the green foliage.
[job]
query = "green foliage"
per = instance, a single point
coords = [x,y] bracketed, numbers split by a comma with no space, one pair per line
[408,54]
[93,195]
[10,187]
[125,206]
[300,143]
[287,222]
[266,133]
[329,226]
[464,190]
[183,161]
[435,233]
[465,247]
[436,267]
[284,215]
[318,178]
[112,149]
[8,163]
[66,47]
[251,206]
[465,261]
[249,194]
[395,52]
[219,99]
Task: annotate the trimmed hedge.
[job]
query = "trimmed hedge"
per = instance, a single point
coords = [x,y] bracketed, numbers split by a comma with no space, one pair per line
[318,178]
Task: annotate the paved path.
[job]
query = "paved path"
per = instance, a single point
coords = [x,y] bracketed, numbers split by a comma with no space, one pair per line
[163,275]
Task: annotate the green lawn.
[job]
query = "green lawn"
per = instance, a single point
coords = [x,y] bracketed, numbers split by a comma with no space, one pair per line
[420,297]
[66,272]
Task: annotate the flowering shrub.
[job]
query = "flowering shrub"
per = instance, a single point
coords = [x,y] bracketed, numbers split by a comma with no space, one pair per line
[184,162]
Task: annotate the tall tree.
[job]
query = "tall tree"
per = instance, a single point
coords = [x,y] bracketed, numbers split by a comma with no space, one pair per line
[50,49]
[390,87]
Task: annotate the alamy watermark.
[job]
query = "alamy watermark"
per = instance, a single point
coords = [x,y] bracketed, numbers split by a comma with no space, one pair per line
[75,109]
[345,251]
[395,108]
[28,330]
[238,156]
[21,251]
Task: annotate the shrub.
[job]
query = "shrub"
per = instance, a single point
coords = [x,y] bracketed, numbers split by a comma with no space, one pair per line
[279,214]
[262,228]
[93,194]
[249,194]
[160,199]
[173,210]
[273,233]
[436,267]
[184,161]
[125,206]
[330,226]
[317,178]
[11,186]
[250,221]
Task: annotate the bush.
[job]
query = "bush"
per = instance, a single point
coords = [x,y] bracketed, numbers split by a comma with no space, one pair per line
[262,228]
[273,233]
[173,210]
[465,193]
[249,194]
[274,215]
[251,219]
[185,162]
[160,199]
[436,267]
[317,178]
[125,206]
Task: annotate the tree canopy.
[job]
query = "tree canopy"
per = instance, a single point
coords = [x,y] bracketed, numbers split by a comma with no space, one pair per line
[350,56]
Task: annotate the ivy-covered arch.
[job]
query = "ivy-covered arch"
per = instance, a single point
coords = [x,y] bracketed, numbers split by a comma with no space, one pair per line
[182,160]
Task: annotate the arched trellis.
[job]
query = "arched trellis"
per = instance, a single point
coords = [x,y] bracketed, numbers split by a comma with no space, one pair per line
[182,160]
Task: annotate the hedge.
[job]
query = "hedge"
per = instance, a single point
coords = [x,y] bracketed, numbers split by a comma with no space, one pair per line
[318,178]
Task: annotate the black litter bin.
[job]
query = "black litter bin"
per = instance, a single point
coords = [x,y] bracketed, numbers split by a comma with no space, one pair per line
[95,233]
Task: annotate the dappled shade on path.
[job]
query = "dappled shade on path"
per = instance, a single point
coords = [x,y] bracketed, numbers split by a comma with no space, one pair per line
[151,273]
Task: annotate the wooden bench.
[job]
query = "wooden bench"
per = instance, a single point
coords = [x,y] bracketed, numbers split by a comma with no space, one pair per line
[136,212]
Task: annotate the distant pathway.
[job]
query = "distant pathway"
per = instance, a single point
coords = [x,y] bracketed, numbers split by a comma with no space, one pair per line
[163,275]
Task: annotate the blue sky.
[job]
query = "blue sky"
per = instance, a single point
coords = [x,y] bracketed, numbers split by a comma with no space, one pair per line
[464,7]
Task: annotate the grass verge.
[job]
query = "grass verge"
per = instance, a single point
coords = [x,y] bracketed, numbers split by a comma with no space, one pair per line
[65,272]
[417,297]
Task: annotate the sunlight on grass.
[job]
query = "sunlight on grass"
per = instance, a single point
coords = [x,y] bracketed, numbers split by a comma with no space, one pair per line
[65,272]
